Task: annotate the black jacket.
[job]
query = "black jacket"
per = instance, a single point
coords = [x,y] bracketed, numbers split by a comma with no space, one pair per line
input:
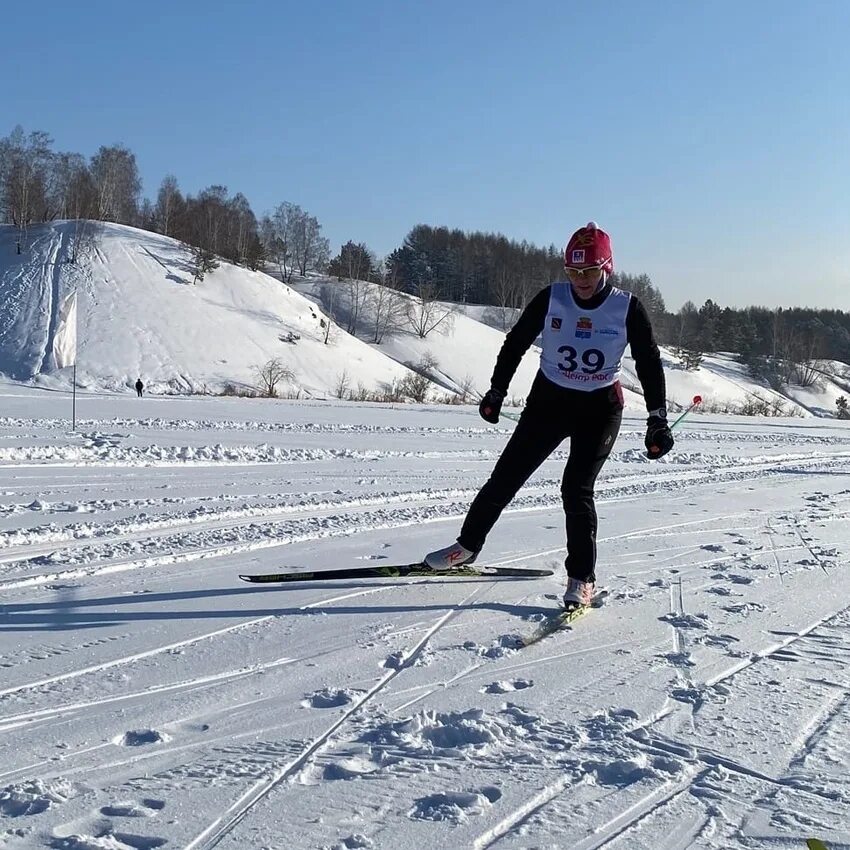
[638,334]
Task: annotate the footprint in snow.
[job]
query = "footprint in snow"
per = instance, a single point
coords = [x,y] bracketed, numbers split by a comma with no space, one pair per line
[395,661]
[504,645]
[507,686]
[721,641]
[356,841]
[329,698]
[130,809]
[739,579]
[714,547]
[140,738]
[35,796]
[720,590]
[686,621]
[349,768]
[106,839]
[679,659]
[454,806]
[744,608]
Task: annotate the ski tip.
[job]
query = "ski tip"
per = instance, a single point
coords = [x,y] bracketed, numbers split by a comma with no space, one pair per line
[517,572]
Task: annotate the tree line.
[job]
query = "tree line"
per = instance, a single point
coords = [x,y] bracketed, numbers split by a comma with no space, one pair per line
[39,184]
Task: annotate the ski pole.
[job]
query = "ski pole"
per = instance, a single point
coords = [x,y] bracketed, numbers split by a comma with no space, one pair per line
[654,451]
[695,403]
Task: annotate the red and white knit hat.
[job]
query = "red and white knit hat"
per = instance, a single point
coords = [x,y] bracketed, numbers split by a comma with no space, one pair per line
[589,247]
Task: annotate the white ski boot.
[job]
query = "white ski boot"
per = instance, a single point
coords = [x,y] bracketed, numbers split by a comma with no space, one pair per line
[450,557]
[578,593]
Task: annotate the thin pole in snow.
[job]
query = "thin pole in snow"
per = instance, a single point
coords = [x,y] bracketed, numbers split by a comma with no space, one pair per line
[74,398]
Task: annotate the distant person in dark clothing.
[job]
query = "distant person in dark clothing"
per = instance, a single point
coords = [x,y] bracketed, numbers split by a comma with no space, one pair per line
[139,387]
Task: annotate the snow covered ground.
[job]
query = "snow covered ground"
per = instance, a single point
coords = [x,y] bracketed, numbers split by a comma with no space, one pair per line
[148,698]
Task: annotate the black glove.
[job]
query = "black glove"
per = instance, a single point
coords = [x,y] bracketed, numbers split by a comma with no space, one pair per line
[490,405]
[658,440]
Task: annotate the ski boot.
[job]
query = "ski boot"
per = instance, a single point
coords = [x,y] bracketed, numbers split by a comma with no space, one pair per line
[578,593]
[452,556]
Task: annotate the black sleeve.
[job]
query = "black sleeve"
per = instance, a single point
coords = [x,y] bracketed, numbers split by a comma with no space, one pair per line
[519,338]
[646,355]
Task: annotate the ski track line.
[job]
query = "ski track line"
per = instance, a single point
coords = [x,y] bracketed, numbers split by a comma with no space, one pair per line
[610,830]
[621,823]
[51,289]
[225,824]
[815,728]
[129,659]
[711,759]
[15,720]
[808,545]
[770,532]
[436,686]
[774,648]
[254,545]
[154,529]
[62,770]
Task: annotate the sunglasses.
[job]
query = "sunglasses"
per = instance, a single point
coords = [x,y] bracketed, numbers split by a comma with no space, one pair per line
[588,271]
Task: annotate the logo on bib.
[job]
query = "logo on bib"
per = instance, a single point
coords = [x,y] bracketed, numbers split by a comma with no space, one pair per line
[556,323]
[584,328]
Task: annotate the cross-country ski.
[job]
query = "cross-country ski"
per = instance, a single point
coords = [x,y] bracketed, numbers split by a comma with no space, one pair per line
[416,570]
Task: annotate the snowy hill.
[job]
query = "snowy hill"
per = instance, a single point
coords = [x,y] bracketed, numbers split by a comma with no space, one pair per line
[470,347]
[140,314]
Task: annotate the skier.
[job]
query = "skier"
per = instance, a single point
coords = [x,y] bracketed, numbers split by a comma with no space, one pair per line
[139,387]
[586,324]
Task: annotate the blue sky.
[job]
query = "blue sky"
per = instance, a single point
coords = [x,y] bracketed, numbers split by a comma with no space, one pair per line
[711,139]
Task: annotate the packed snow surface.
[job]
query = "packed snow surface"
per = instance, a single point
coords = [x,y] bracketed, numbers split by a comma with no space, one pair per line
[149,698]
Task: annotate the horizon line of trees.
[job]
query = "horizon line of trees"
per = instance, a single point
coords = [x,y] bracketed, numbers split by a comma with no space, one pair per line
[38,184]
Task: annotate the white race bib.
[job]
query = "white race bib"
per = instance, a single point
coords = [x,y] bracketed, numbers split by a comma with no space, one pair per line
[583,349]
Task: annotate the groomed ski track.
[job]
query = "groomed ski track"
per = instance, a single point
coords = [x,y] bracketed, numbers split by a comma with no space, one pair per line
[148,700]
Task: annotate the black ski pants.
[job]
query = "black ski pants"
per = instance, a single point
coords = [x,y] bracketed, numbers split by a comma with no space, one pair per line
[591,421]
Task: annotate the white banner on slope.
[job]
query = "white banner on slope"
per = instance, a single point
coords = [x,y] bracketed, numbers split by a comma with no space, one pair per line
[65,338]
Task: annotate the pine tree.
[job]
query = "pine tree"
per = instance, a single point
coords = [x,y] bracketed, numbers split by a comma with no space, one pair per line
[203,262]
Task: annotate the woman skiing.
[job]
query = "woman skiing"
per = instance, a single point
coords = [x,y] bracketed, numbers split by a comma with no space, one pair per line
[586,324]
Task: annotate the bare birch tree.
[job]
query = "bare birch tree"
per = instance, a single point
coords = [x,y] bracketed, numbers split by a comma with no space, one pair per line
[310,249]
[25,162]
[277,232]
[166,202]
[426,313]
[388,305]
[116,177]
